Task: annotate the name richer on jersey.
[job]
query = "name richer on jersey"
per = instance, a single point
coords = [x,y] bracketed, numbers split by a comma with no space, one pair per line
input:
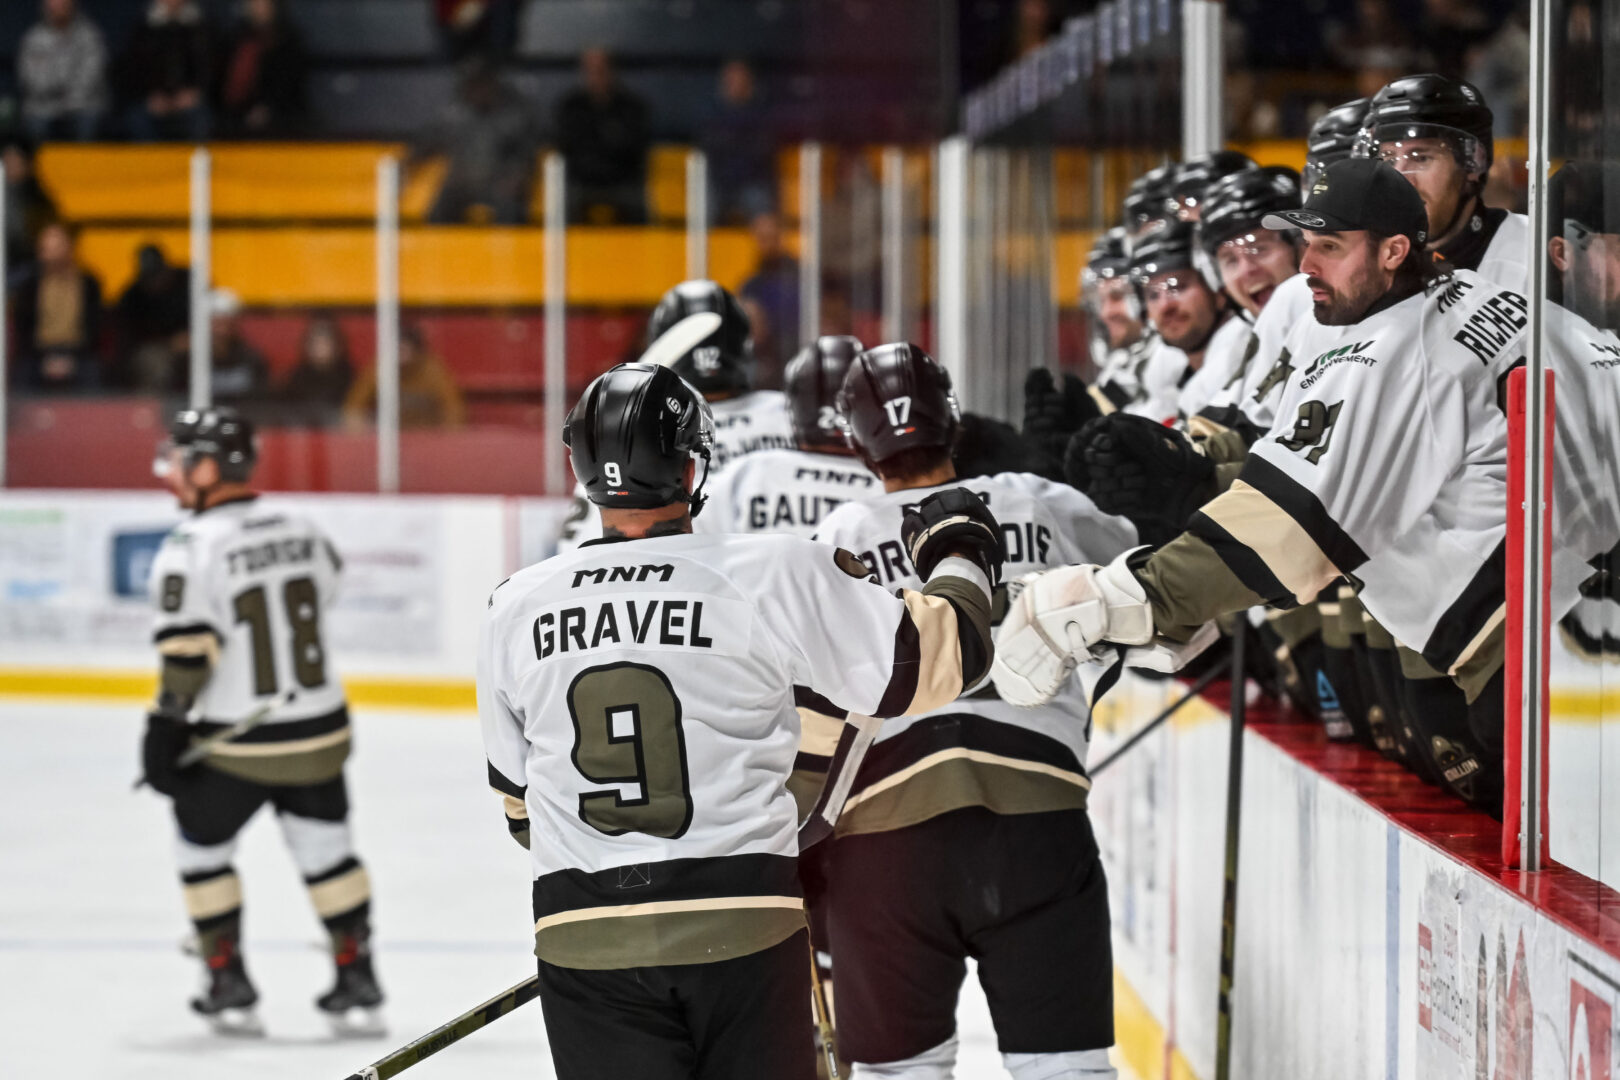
[1497,322]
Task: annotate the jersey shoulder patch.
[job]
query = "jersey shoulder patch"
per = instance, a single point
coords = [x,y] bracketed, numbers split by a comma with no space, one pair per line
[849,563]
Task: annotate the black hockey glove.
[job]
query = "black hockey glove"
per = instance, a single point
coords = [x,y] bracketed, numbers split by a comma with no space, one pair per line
[1053,414]
[166,739]
[1148,473]
[1075,471]
[953,522]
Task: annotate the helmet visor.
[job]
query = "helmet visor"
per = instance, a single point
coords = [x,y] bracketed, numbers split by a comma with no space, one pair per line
[1418,148]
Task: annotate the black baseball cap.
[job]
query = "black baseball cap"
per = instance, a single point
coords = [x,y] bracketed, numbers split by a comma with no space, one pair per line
[1355,195]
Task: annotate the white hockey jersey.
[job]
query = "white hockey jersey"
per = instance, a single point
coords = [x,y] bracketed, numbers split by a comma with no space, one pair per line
[1160,377]
[637,704]
[1223,358]
[1253,395]
[783,491]
[1388,464]
[249,585]
[1501,261]
[979,750]
[1586,471]
[756,420]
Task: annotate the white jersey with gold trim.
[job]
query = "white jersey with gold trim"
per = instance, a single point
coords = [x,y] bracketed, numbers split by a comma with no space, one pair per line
[257,581]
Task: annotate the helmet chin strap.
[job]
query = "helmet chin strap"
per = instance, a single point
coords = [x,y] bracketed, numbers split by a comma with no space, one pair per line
[697,499]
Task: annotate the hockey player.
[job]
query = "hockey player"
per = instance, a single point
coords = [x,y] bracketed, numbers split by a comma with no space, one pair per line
[636,698]
[241,593]
[792,491]
[1195,324]
[966,832]
[1390,469]
[1582,313]
[721,368]
[1436,131]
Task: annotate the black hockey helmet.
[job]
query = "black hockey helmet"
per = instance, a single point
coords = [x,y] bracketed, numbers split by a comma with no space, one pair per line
[812,381]
[896,398]
[1171,248]
[1145,201]
[1332,138]
[1431,106]
[218,432]
[632,433]
[1109,260]
[721,363]
[1583,197]
[1235,205]
[1195,177]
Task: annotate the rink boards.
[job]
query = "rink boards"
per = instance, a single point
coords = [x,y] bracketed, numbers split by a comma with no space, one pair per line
[1364,950]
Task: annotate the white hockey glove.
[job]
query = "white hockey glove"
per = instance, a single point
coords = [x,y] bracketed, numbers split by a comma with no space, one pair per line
[1056,618]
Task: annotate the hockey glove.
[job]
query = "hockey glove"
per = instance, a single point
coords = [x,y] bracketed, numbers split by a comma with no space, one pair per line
[1056,618]
[1075,470]
[1148,473]
[953,522]
[1052,414]
[166,739]
[1591,629]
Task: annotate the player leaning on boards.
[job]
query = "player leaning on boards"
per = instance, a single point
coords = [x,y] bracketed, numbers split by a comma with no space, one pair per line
[636,697]
[1392,471]
[241,590]
[793,490]
[721,367]
[966,832]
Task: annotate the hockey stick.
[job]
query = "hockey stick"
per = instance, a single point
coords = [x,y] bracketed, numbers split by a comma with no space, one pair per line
[818,1002]
[203,747]
[413,1053]
[1234,813]
[1198,687]
[846,762]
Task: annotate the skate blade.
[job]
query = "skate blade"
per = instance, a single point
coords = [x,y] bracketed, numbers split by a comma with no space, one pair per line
[358,1022]
[237,1024]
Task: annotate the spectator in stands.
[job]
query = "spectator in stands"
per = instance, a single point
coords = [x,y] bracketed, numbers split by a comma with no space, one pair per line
[602,133]
[58,312]
[168,70]
[490,142]
[1449,29]
[241,375]
[741,148]
[1377,39]
[62,72]
[771,298]
[261,93]
[428,396]
[315,390]
[484,28]
[153,315]
[28,208]
[1500,68]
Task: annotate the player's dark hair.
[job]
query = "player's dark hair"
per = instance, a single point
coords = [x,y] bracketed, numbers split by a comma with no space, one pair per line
[907,466]
[1418,272]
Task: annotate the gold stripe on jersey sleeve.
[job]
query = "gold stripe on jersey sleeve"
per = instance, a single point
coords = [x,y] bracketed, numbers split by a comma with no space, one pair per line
[214,897]
[203,644]
[818,732]
[341,894]
[939,669]
[700,931]
[516,809]
[959,777]
[1483,656]
[1288,551]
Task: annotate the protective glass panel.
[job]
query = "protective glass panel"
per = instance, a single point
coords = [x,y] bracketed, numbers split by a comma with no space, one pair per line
[1580,319]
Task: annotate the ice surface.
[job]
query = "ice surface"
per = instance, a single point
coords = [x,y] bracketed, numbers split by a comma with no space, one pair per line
[92,979]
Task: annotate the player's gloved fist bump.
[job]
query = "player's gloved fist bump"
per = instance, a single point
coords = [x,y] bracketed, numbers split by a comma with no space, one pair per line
[953,522]
[165,740]
[1056,618]
[1147,472]
[1075,469]
[1052,414]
